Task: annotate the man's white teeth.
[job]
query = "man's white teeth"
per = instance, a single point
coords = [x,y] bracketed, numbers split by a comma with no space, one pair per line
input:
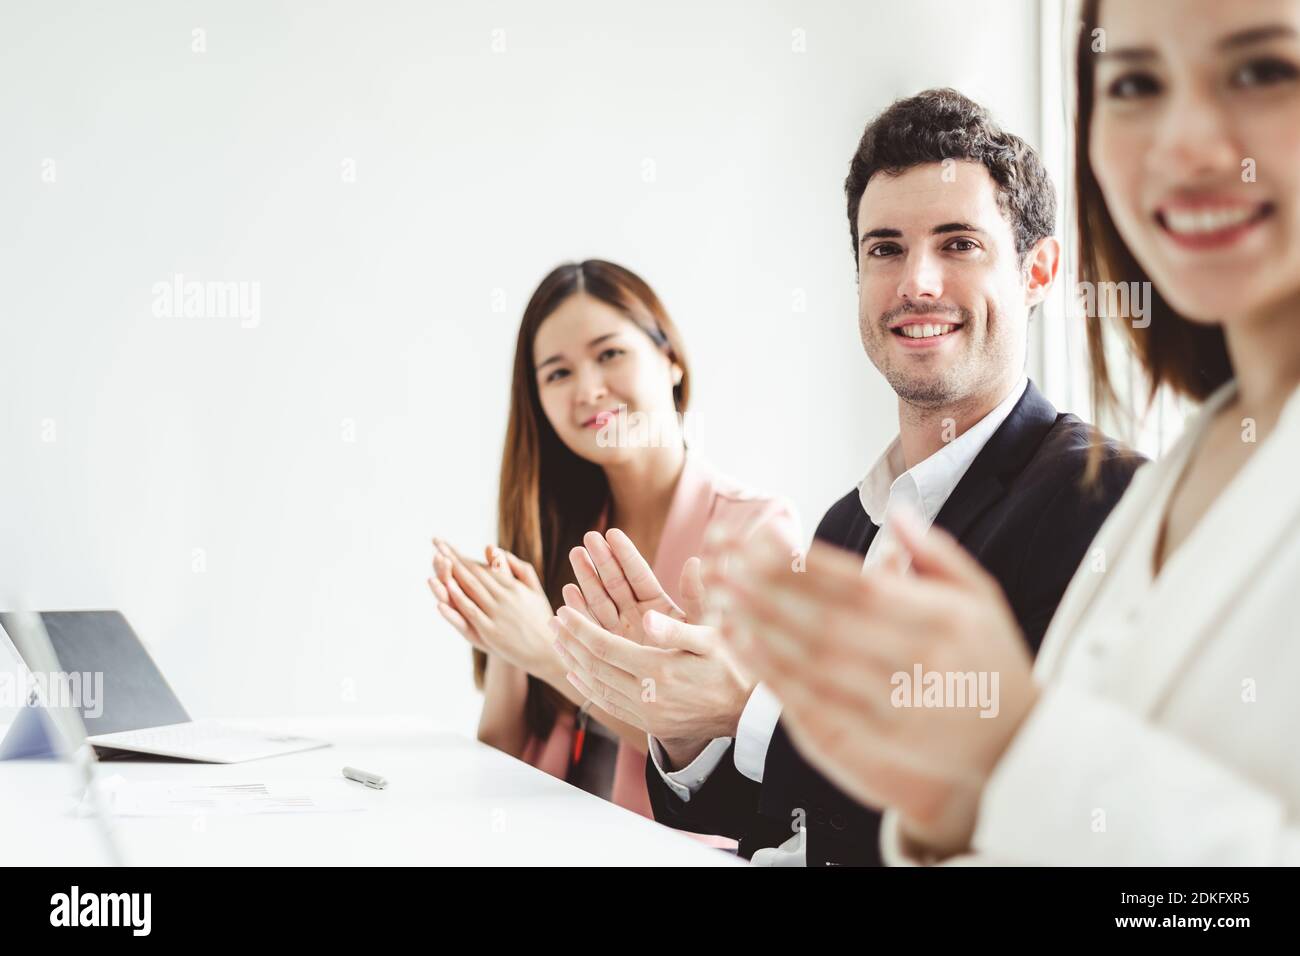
[1207,220]
[925,331]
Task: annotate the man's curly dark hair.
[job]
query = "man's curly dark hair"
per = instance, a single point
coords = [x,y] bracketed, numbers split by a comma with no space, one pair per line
[943,124]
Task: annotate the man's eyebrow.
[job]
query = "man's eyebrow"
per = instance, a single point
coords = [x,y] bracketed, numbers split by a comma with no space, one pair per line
[885,232]
[1232,41]
[596,341]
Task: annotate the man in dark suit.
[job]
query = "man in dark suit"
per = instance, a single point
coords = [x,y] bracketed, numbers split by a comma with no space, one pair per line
[1020,511]
[952,225]
[952,221]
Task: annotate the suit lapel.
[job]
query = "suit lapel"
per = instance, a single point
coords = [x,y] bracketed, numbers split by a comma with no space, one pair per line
[1003,457]
[687,520]
[862,534]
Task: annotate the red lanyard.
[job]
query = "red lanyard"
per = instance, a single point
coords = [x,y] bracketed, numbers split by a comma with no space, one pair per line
[580,734]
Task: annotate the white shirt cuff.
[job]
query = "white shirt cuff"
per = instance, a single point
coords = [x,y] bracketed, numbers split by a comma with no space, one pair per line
[754,732]
[690,778]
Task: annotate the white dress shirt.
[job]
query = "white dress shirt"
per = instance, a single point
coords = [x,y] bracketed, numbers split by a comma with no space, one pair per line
[887,488]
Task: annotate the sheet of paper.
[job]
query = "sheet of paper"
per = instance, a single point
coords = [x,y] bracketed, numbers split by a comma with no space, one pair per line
[163,799]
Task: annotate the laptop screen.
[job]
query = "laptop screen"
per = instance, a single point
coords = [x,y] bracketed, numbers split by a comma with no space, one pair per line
[121,686]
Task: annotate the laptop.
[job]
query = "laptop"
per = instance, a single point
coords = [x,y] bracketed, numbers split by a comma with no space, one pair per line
[29,637]
[126,705]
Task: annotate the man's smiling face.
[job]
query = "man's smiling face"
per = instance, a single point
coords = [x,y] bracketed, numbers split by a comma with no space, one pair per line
[943,302]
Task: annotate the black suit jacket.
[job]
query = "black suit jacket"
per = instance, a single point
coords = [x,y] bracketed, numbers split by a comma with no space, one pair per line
[1023,511]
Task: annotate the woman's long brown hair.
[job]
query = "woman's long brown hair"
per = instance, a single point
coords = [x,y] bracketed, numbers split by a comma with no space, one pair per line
[549,496]
[1189,357]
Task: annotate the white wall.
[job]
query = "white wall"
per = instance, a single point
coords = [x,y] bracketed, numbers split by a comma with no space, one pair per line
[129,440]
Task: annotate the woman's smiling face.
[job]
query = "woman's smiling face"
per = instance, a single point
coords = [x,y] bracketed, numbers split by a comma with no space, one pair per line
[1195,142]
[590,360]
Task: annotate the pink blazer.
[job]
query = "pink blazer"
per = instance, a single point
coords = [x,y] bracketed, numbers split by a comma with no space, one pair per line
[702,499]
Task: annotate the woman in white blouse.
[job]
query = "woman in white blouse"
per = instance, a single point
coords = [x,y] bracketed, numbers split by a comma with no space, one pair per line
[1159,722]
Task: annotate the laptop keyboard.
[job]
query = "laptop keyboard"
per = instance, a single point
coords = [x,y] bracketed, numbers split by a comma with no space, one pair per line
[189,736]
[209,741]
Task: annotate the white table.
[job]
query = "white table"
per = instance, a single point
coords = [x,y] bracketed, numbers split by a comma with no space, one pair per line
[450,800]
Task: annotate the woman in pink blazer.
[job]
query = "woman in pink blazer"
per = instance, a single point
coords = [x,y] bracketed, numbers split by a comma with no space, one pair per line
[594,441]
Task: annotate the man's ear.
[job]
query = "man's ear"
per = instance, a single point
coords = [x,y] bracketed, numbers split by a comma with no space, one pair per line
[1042,263]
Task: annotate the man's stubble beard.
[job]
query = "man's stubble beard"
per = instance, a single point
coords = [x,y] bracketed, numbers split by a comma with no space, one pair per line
[978,366]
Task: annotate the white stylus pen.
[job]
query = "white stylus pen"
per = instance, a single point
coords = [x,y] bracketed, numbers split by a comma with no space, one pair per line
[372,780]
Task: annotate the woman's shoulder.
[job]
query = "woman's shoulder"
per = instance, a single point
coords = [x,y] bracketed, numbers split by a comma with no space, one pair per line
[727,488]
[742,506]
